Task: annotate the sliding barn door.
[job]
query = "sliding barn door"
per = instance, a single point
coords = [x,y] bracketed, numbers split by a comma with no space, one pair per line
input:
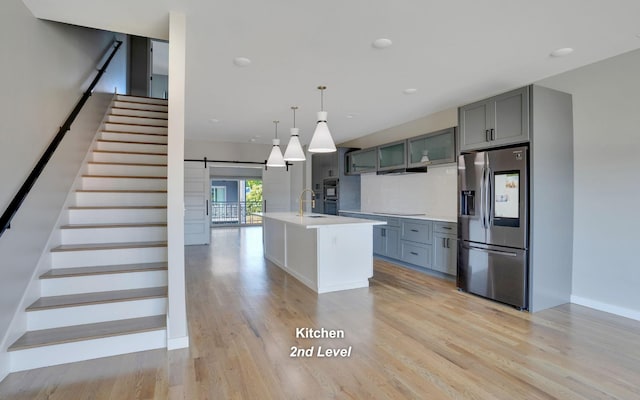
[197,197]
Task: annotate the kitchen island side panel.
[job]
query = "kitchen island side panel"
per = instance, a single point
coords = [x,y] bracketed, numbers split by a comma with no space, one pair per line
[345,254]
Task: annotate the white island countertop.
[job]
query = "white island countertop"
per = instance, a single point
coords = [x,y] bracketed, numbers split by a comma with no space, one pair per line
[428,217]
[315,221]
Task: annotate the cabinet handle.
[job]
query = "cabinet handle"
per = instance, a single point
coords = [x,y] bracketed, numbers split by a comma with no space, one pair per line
[486,135]
[414,230]
[447,228]
[444,243]
[384,232]
[448,247]
[493,136]
[414,253]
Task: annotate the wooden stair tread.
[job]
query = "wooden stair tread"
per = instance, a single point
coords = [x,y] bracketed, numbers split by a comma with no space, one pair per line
[117,207]
[137,116]
[128,142]
[127,164]
[130,152]
[107,246]
[137,109]
[125,176]
[134,133]
[124,225]
[103,270]
[130,96]
[130,124]
[68,334]
[114,296]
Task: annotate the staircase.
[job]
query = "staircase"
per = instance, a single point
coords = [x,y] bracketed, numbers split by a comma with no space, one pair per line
[106,293]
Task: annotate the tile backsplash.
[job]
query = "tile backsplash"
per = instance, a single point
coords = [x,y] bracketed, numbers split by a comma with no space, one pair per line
[432,193]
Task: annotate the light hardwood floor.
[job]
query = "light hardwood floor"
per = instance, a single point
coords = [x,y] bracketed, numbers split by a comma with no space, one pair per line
[412,336]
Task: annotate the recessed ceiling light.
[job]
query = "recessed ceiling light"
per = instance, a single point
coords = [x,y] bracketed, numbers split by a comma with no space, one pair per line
[351,115]
[410,91]
[241,61]
[382,43]
[561,52]
[214,120]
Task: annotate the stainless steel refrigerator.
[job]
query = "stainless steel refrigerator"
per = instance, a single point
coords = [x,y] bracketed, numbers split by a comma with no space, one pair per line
[493,224]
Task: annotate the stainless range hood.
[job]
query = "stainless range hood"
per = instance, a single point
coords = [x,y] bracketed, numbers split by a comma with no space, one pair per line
[403,171]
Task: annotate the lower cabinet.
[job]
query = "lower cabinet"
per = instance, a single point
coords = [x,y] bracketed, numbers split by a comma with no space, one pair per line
[385,241]
[422,243]
[445,253]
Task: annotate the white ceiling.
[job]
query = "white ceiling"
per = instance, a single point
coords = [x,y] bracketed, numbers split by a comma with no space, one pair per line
[451,51]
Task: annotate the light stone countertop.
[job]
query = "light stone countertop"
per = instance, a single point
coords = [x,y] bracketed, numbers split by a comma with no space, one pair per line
[425,217]
[315,221]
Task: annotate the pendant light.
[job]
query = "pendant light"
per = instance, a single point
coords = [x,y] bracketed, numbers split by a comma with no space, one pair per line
[275,158]
[294,149]
[322,142]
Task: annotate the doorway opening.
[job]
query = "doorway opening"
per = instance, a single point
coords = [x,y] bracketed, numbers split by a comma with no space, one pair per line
[234,202]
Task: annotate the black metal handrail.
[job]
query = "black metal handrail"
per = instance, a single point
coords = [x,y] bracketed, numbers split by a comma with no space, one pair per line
[12,209]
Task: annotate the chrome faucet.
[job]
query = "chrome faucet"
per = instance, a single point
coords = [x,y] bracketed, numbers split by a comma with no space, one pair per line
[313,200]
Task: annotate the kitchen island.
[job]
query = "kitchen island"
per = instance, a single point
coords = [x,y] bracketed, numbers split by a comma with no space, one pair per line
[326,253]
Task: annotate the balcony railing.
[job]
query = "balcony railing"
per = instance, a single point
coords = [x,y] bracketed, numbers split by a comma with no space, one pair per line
[235,212]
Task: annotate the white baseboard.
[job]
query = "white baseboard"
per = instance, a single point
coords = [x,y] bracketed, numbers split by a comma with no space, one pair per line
[598,305]
[178,343]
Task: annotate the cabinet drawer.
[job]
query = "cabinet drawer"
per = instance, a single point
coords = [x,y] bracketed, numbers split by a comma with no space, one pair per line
[416,254]
[419,232]
[445,227]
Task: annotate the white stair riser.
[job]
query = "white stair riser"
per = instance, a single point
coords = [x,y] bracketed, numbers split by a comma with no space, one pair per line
[93,199]
[93,313]
[103,283]
[136,120]
[134,128]
[117,216]
[91,258]
[133,137]
[139,113]
[126,170]
[132,147]
[39,357]
[128,158]
[139,106]
[114,235]
[139,99]
[91,183]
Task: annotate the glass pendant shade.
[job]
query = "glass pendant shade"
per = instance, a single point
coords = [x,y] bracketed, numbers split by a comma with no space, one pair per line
[294,149]
[322,142]
[425,157]
[275,158]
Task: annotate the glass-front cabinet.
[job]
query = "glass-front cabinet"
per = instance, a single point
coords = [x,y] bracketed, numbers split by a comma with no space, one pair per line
[433,148]
[361,161]
[392,156]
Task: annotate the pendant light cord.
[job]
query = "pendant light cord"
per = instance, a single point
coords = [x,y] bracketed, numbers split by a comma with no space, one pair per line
[276,123]
[322,88]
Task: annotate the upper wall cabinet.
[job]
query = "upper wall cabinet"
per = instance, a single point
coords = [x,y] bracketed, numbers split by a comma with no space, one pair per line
[361,161]
[498,121]
[392,156]
[434,148]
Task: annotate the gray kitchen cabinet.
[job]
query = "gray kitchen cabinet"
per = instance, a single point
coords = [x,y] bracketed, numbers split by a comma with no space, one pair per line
[445,253]
[385,241]
[416,253]
[392,156]
[438,147]
[497,121]
[331,167]
[361,161]
[418,231]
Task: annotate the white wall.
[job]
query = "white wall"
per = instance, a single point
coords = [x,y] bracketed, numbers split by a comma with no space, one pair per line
[226,151]
[606,112]
[45,66]
[433,193]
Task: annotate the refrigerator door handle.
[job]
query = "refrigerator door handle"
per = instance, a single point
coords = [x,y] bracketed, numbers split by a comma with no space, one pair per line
[497,252]
[489,203]
[482,198]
